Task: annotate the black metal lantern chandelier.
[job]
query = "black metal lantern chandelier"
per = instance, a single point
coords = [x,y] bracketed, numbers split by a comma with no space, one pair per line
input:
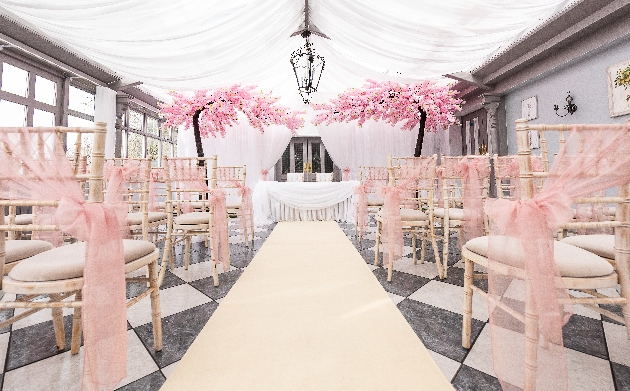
[307,65]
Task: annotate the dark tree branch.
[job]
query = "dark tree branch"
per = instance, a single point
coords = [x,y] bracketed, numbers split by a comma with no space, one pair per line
[423,121]
[195,120]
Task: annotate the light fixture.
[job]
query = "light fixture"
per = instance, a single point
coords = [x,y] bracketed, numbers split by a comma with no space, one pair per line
[570,106]
[307,65]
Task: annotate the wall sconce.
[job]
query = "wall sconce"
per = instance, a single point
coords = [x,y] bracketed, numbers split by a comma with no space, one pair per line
[570,106]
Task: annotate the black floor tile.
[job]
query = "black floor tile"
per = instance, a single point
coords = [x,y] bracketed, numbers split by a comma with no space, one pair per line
[615,309]
[179,332]
[368,256]
[621,376]
[439,330]
[454,275]
[151,382]
[171,280]
[35,343]
[226,282]
[4,315]
[241,257]
[402,284]
[469,379]
[585,335]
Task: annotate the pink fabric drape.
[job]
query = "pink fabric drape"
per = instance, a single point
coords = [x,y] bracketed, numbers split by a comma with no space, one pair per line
[473,172]
[48,175]
[391,231]
[590,161]
[247,206]
[506,168]
[157,175]
[192,177]
[361,193]
[264,174]
[346,174]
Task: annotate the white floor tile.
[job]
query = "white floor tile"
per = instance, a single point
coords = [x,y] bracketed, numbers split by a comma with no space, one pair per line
[197,271]
[395,298]
[581,310]
[172,301]
[447,366]
[167,370]
[480,355]
[587,373]
[372,267]
[64,371]
[618,343]
[451,298]
[4,346]
[39,317]
[426,270]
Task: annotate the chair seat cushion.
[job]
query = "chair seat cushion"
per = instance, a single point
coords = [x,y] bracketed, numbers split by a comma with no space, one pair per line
[602,245]
[67,262]
[135,218]
[571,261]
[192,218]
[374,200]
[20,249]
[233,205]
[24,219]
[408,215]
[453,213]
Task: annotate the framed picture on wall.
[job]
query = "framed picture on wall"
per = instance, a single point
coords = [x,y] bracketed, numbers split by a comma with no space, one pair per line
[619,88]
[529,108]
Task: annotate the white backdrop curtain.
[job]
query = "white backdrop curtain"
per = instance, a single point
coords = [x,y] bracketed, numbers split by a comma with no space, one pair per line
[351,146]
[191,44]
[105,111]
[242,145]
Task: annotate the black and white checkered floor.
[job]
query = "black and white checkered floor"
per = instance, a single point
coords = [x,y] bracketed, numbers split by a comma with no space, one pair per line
[598,352]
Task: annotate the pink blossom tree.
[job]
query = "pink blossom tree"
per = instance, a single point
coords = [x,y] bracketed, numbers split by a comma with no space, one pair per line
[210,112]
[427,104]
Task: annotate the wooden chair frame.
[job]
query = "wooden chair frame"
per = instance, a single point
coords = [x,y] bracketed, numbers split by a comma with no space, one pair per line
[241,173]
[380,177]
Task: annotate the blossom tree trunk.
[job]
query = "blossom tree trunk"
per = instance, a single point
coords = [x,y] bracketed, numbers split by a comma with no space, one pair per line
[423,121]
[197,133]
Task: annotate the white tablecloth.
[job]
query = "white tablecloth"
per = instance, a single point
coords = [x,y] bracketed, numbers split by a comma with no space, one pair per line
[300,201]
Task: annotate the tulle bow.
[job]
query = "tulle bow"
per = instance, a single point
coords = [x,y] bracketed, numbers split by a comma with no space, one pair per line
[264,174]
[247,208]
[220,247]
[472,171]
[361,193]
[346,173]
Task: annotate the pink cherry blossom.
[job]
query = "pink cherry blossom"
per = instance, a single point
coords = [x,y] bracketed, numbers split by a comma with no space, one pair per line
[219,110]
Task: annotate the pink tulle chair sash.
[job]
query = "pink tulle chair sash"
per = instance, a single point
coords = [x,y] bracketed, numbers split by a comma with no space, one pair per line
[361,193]
[48,175]
[590,161]
[346,174]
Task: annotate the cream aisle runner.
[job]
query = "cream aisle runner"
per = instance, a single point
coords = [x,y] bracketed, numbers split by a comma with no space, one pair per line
[307,314]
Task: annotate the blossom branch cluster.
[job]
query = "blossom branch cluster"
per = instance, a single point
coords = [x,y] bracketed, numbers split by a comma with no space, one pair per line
[218,109]
[393,102]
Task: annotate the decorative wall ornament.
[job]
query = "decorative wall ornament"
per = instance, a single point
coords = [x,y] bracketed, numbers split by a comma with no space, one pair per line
[570,107]
[619,88]
[529,108]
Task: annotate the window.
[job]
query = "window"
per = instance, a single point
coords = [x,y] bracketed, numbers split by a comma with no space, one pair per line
[145,138]
[45,90]
[14,80]
[12,114]
[81,101]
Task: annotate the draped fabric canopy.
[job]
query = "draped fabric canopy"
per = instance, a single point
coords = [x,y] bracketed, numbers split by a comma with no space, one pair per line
[190,45]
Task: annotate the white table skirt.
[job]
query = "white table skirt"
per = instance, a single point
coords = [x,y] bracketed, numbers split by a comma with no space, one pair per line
[302,201]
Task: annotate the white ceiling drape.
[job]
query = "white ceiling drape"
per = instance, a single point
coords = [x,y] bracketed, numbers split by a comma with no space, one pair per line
[191,44]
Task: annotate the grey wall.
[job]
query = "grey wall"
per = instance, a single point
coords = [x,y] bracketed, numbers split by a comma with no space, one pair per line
[586,78]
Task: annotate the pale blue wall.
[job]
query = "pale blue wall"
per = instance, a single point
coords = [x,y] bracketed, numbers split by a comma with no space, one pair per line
[586,79]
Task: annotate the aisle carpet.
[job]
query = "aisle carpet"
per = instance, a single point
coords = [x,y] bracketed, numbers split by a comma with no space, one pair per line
[307,314]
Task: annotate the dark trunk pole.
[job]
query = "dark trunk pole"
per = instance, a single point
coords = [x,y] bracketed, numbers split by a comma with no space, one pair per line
[423,121]
[195,120]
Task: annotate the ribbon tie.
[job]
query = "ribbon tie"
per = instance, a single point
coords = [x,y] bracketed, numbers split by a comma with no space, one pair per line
[361,192]
[220,248]
[247,208]
[391,236]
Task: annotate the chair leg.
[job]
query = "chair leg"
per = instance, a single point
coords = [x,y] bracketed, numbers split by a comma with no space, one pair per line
[75,344]
[378,236]
[57,315]
[156,314]
[531,341]
[423,248]
[436,254]
[469,269]
[215,273]
[446,234]
[413,246]
[187,252]
[390,265]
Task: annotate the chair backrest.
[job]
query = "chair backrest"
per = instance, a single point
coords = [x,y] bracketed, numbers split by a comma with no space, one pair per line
[295,177]
[186,177]
[417,175]
[324,177]
[43,146]
[453,180]
[379,176]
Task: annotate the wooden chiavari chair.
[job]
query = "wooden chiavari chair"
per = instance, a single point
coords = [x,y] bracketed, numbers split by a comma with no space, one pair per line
[377,177]
[231,179]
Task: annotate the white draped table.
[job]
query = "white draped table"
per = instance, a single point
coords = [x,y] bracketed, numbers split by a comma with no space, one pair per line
[303,201]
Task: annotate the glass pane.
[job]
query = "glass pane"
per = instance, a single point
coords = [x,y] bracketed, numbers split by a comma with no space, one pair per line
[166,132]
[135,120]
[14,80]
[43,118]
[152,126]
[175,136]
[328,162]
[286,160]
[153,146]
[135,145]
[316,156]
[298,157]
[45,90]
[86,139]
[81,101]
[174,150]
[12,114]
[167,150]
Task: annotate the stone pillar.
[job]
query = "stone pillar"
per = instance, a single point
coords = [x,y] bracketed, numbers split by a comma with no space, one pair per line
[491,104]
[122,103]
